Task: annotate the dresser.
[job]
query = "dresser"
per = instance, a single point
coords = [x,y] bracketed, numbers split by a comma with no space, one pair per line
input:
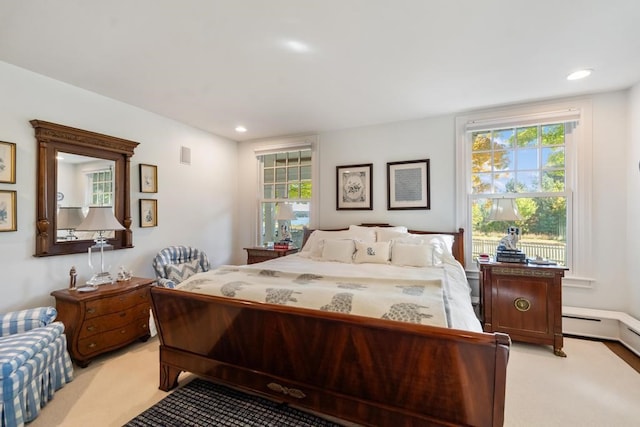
[105,319]
[524,301]
[260,254]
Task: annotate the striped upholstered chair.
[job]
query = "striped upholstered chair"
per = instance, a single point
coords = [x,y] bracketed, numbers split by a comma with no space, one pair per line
[34,363]
[174,264]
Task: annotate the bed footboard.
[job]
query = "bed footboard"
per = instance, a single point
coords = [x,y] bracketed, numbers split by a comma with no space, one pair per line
[368,371]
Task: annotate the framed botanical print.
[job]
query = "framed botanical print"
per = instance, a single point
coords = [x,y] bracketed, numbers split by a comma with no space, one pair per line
[148,178]
[408,185]
[354,187]
[8,210]
[7,162]
[148,213]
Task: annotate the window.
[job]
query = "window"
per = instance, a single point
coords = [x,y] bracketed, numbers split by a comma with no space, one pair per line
[286,178]
[100,188]
[526,164]
[540,156]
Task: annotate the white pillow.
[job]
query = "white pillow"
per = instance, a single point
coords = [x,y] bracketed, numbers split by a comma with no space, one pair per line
[377,253]
[313,247]
[386,234]
[362,233]
[407,254]
[338,250]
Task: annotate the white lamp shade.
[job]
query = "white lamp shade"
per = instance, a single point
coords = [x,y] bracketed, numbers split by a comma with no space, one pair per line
[100,218]
[285,212]
[69,218]
[504,210]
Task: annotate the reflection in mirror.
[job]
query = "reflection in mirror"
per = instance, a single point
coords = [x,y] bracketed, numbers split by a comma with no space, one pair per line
[82,181]
[94,171]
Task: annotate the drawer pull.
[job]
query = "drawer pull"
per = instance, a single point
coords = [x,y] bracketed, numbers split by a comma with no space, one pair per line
[91,310]
[124,331]
[522,304]
[91,328]
[144,326]
[123,314]
[293,392]
[92,345]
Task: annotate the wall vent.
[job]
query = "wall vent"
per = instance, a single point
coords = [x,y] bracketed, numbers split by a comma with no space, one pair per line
[185,155]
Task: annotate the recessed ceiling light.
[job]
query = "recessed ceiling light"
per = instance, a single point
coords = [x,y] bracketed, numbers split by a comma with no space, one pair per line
[241,129]
[580,74]
[297,46]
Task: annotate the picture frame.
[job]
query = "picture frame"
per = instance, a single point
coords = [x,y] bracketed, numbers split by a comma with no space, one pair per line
[7,162]
[148,213]
[408,185]
[148,178]
[354,187]
[8,210]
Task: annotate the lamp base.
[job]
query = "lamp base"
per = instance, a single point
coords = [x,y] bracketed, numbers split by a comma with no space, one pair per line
[103,278]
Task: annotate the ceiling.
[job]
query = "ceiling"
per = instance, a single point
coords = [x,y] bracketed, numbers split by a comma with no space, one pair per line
[217,64]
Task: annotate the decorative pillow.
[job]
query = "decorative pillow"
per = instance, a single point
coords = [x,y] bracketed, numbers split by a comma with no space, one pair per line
[313,247]
[386,234]
[407,254]
[338,250]
[179,272]
[377,253]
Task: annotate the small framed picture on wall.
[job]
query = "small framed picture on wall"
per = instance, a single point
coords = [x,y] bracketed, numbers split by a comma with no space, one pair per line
[148,213]
[354,187]
[148,178]
[8,211]
[408,185]
[7,162]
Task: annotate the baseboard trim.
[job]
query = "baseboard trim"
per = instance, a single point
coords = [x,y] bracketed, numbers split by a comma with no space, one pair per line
[602,324]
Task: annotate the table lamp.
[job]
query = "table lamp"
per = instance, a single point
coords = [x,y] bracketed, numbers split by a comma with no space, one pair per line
[100,219]
[283,216]
[69,218]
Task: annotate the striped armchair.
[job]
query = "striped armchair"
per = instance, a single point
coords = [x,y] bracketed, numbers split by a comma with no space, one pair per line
[174,264]
[34,363]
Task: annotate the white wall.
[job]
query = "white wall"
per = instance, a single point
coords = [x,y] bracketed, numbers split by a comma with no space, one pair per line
[632,166]
[196,203]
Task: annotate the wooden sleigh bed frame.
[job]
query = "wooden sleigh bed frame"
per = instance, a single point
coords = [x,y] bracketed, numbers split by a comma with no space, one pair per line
[363,370]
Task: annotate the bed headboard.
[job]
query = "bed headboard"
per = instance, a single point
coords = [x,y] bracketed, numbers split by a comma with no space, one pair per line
[458,237]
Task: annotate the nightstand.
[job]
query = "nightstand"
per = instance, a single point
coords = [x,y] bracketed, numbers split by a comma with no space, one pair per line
[524,301]
[105,319]
[260,254]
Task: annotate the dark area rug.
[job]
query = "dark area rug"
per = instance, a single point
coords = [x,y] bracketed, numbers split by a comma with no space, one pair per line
[203,403]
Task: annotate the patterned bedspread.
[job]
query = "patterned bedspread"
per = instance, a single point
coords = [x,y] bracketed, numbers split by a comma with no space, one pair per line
[413,301]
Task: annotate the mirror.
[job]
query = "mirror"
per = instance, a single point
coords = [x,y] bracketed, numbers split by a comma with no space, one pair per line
[81,182]
[62,186]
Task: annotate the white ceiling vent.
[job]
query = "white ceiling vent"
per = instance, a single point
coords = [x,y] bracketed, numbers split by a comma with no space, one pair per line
[185,155]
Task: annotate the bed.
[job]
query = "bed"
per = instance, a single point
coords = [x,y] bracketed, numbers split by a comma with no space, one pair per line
[428,363]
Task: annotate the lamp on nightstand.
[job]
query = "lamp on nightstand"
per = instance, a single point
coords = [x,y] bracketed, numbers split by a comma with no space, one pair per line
[504,209]
[100,219]
[284,216]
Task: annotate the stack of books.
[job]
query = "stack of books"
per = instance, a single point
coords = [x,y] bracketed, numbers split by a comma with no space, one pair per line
[283,245]
[510,255]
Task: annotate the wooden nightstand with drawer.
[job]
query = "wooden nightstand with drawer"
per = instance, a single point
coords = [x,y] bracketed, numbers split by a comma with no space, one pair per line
[524,301]
[105,319]
[260,254]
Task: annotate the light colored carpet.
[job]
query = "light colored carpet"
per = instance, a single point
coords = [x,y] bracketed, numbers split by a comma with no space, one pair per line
[591,387]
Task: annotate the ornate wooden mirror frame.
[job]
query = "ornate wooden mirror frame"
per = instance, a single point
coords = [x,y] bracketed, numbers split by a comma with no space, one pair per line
[52,139]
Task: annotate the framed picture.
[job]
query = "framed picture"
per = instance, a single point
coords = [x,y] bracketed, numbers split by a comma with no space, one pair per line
[354,187]
[8,216]
[148,178]
[148,213]
[408,185]
[7,162]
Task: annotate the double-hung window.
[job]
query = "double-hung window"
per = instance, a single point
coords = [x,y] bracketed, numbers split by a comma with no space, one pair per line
[531,158]
[100,187]
[286,179]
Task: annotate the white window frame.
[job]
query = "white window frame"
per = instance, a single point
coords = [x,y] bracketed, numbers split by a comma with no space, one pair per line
[282,145]
[578,163]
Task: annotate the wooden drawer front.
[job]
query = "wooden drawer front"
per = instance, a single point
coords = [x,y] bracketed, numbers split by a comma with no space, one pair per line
[520,306]
[253,259]
[114,338]
[116,303]
[97,325]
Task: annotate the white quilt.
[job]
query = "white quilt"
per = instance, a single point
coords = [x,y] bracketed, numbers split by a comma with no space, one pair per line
[437,296]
